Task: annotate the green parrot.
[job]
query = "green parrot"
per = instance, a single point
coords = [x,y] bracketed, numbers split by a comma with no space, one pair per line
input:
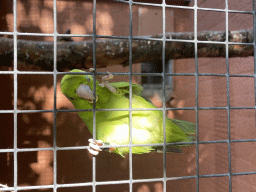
[112,127]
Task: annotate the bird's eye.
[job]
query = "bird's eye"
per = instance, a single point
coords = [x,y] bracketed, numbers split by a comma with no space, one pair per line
[71,98]
[88,79]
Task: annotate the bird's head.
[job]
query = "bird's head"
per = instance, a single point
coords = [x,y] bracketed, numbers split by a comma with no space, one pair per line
[78,86]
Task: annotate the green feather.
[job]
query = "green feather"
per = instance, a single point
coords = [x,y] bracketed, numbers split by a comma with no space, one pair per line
[125,89]
[187,127]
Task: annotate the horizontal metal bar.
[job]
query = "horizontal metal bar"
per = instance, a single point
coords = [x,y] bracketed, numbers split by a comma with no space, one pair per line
[117,182]
[135,109]
[118,73]
[127,145]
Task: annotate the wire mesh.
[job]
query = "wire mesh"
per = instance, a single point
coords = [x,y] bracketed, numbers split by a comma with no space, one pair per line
[131,181]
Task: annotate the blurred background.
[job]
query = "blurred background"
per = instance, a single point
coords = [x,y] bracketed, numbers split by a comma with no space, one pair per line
[35,92]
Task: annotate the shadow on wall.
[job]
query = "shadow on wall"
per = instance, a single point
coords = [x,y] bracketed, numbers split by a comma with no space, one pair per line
[37,17]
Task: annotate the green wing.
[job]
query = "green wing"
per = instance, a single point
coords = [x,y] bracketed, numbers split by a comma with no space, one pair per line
[123,87]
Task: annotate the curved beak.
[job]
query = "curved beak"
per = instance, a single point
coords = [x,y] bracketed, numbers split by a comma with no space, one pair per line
[85,92]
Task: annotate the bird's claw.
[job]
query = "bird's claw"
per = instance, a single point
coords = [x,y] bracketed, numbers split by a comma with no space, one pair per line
[104,81]
[94,146]
[107,77]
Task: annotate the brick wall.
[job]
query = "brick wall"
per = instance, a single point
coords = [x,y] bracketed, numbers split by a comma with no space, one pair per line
[36,92]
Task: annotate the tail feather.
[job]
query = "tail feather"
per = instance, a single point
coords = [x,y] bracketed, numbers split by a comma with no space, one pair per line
[169,149]
[187,127]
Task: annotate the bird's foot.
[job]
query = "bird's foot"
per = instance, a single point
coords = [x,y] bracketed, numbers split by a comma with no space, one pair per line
[110,87]
[107,77]
[94,146]
[104,78]
[104,81]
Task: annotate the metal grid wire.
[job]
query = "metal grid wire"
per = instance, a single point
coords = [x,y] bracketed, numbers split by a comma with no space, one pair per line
[94,36]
